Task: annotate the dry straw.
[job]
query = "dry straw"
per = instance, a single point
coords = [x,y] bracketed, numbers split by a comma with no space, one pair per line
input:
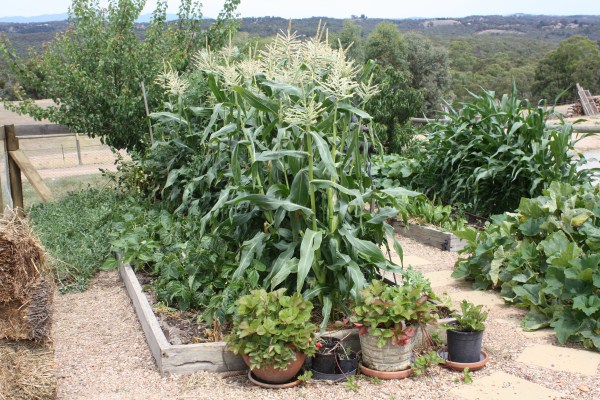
[26,371]
[22,258]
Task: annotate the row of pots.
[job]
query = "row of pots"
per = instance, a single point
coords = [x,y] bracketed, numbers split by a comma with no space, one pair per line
[335,360]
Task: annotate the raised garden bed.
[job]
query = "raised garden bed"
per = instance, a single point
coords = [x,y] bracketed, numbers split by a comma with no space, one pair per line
[176,359]
[430,236]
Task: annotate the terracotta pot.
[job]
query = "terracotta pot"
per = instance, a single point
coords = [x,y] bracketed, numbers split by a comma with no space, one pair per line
[389,358]
[270,374]
[386,375]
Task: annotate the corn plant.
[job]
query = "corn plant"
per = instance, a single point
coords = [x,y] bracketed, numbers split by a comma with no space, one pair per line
[494,151]
[283,166]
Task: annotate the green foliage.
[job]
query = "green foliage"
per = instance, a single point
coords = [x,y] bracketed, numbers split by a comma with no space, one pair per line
[544,257]
[270,327]
[492,152]
[352,384]
[573,61]
[387,46]
[471,318]
[94,69]
[350,38]
[190,271]
[393,107]
[429,69]
[305,376]
[275,164]
[75,232]
[424,361]
[392,312]
[467,377]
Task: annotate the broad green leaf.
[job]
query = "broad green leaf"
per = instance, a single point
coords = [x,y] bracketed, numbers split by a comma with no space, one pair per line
[535,320]
[279,154]
[325,154]
[354,110]
[269,203]
[589,305]
[554,243]
[326,311]
[310,243]
[250,249]
[260,103]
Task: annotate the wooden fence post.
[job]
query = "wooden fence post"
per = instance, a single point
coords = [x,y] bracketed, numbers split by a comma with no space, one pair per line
[78,149]
[3,138]
[14,172]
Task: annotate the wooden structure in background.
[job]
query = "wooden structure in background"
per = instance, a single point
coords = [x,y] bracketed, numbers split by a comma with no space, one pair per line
[18,162]
[587,101]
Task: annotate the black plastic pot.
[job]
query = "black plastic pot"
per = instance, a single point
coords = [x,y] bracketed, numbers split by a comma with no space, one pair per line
[464,347]
[324,360]
[346,366]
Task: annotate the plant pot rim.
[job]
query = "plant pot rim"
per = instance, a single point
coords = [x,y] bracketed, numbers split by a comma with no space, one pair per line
[456,366]
[465,332]
[286,385]
[405,373]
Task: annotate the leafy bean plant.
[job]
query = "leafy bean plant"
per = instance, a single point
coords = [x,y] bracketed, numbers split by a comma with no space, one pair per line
[493,151]
[280,167]
[544,257]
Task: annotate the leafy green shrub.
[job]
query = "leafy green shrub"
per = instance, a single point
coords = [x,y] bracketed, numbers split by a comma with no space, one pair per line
[424,361]
[75,231]
[493,152]
[391,312]
[270,327]
[544,257]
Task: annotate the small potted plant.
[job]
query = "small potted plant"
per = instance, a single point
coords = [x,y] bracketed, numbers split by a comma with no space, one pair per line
[273,334]
[465,335]
[388,318]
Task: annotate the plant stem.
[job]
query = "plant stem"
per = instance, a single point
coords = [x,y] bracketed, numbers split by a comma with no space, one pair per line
[311,187]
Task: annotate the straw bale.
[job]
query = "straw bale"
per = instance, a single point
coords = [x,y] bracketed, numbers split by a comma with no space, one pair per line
[22,258]
[27,371]
[30,319]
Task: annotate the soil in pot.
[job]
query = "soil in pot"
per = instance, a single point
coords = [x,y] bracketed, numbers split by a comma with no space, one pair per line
[270,374]
[464,347]
[390,358]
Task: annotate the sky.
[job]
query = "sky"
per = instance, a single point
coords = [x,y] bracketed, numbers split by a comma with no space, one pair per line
[343,8]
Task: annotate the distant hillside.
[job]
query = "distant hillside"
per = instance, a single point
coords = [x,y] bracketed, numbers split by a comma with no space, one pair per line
[550,29]
[144,18]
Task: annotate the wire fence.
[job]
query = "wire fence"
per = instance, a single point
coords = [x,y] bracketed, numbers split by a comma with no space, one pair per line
[66,162]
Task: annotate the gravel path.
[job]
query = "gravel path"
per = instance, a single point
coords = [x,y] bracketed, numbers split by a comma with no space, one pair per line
[101,353]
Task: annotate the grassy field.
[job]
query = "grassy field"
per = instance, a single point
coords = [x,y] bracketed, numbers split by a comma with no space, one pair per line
[60,187]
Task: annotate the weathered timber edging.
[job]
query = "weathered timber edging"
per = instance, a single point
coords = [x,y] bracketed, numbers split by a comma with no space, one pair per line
[430,236]
[176,359]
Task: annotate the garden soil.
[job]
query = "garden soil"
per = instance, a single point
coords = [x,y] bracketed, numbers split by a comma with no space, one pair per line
[101,353]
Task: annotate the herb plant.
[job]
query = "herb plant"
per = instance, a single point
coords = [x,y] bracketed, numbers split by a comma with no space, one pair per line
[544,257]
[270,327]
[393,312]
[424,361]
[471,318]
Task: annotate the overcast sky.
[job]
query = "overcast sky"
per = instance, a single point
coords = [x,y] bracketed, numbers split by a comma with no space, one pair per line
[344,8]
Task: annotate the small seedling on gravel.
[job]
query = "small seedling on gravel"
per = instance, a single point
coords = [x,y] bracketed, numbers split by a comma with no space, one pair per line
[306,376]
[467,378]
[352,384]
[375,380]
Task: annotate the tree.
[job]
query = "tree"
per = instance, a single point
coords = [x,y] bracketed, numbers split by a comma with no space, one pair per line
[387,46]
[93,71]
[428,66]
[350,37]
[575,60]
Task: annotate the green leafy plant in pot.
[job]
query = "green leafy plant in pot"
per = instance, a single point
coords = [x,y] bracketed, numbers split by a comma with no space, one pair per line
[273,334]
[388,318]
[466,334]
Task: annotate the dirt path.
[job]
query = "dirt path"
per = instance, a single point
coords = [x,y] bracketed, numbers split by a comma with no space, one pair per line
[101,353]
